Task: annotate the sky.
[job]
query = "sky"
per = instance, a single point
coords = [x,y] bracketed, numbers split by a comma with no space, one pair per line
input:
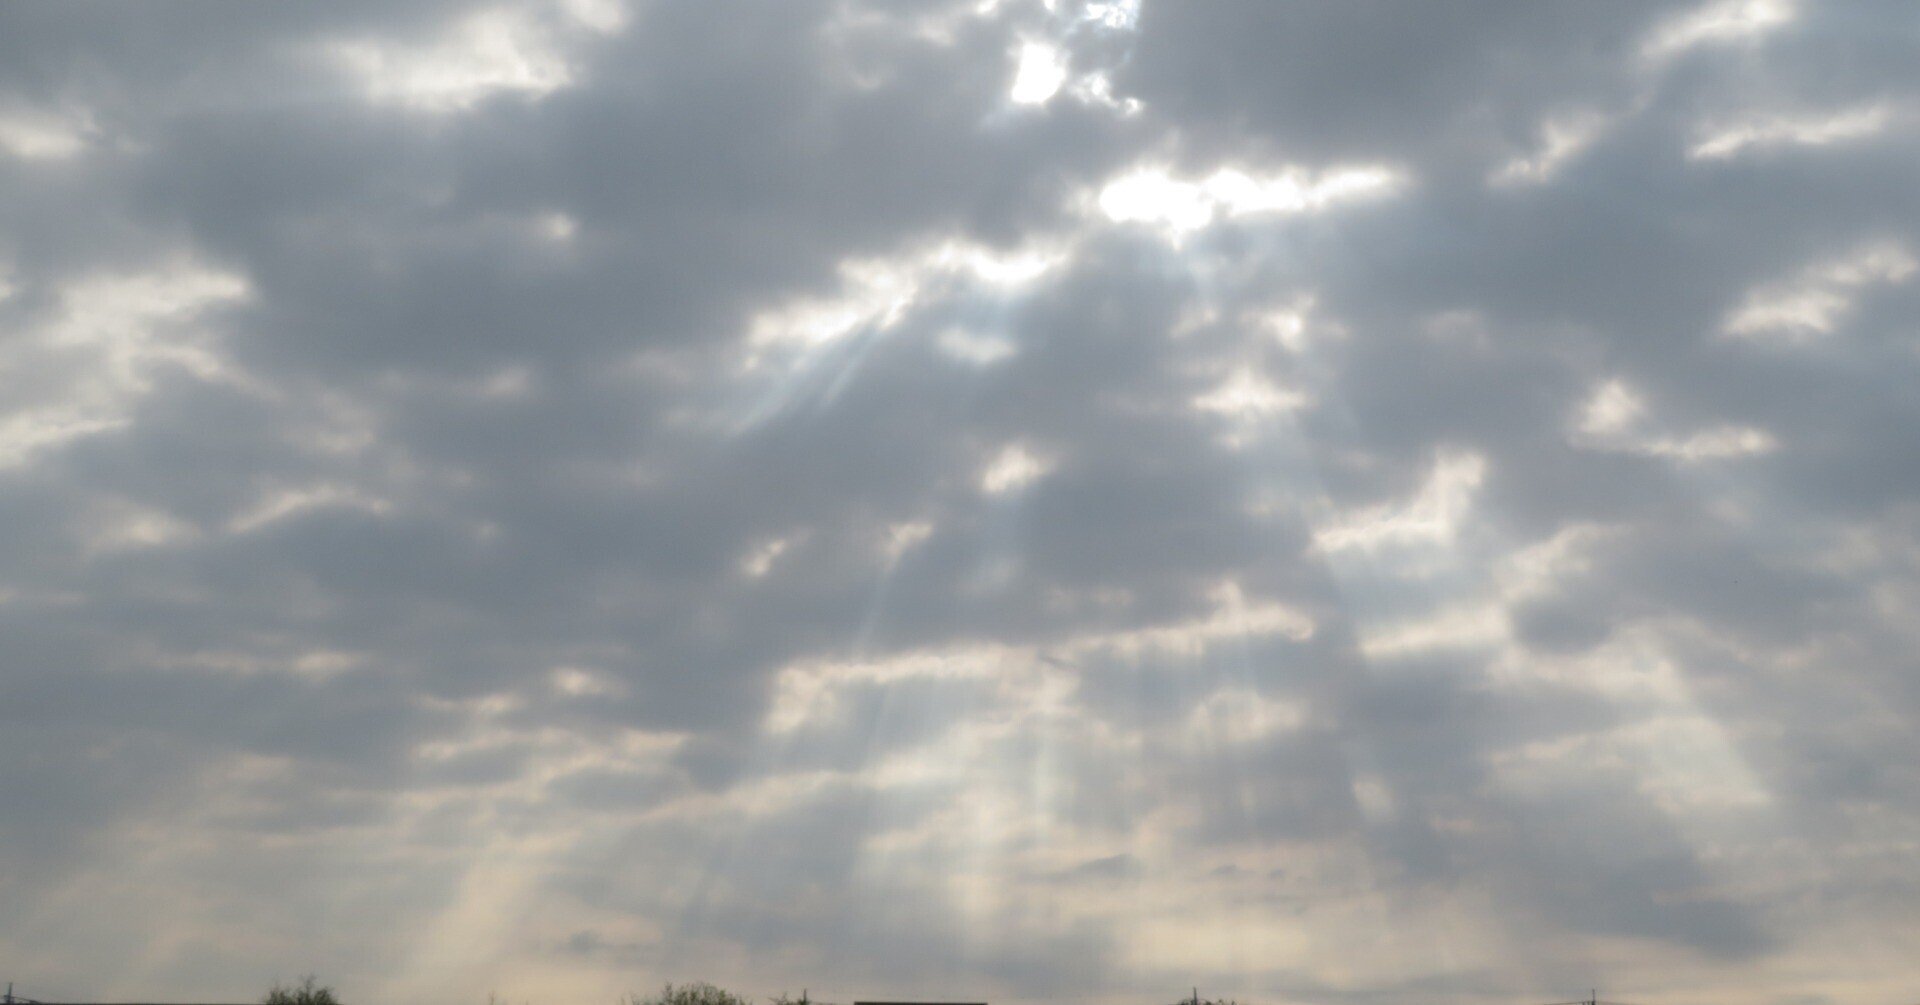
[1338,504]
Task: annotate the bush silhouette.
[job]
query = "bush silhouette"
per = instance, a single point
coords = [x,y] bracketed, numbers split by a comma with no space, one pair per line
[307,992]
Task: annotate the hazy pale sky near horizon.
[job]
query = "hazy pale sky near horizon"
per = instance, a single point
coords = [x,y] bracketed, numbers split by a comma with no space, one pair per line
[1343,503]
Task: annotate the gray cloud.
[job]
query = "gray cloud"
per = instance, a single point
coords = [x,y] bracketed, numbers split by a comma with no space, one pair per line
[1019,500]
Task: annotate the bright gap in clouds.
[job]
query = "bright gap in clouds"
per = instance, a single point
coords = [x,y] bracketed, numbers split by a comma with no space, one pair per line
[1039,74]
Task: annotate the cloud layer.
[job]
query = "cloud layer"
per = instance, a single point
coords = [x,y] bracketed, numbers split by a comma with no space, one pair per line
[1030,502]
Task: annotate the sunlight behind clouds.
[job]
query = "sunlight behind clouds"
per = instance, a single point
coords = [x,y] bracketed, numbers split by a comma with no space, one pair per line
[1067,501]
[1039,74]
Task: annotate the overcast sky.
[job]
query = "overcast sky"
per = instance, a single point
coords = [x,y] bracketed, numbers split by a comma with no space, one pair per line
[1351,504]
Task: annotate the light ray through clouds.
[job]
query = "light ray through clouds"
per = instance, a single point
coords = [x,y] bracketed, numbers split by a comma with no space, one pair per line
[1017,500]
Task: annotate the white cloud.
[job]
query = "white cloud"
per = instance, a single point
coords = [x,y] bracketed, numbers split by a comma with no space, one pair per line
[811,689]
[761,559]
[974,347]
[904,537]
[1114,14]
[121,525]
[1247,394]
[876,293]
[1715,443]
[491,52]
[1239,715]
[1012,469]
[1615,418]
[1151,195]
[1184,538]
[1817,300]
[1561,140]
[1433,516]
[1461,626]
[1777,131]
[37,135]
[585,682]
[1248,400]
[110,336]
[1613,409]
[1718,23]
[280,504]
[1680,756]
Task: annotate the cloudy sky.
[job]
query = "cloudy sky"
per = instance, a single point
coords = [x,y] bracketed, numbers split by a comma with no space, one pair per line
[1360,503]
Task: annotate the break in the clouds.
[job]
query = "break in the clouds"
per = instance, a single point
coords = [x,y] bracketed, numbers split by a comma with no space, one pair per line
[1070,501]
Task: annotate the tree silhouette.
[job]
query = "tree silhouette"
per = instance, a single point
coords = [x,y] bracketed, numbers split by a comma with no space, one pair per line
[308,992]
[696,993]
